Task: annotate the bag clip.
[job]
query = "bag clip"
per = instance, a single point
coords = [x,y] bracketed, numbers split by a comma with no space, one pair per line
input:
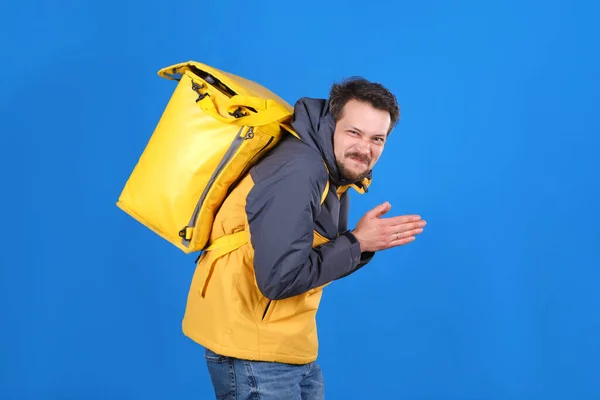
[196,88]
[238,113]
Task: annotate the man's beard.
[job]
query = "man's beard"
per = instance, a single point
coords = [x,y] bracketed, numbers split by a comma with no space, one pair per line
[351,175]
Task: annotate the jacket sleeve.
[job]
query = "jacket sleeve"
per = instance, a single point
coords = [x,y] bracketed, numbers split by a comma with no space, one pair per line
[281,210]
[365,258]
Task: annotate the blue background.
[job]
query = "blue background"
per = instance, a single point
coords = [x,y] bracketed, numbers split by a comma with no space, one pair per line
[497,299]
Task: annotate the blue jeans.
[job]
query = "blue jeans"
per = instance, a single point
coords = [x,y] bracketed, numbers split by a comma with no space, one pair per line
[236,379]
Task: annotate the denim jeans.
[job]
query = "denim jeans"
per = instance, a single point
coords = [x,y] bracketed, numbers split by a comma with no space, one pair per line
[236,379]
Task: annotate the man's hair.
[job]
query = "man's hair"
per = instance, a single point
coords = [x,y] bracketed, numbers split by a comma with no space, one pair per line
[359,88]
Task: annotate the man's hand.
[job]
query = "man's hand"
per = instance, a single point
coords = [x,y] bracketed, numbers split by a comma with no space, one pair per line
[376,233]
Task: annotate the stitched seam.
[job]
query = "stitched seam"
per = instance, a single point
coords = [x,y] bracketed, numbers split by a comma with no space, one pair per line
[252,379]
[232,374]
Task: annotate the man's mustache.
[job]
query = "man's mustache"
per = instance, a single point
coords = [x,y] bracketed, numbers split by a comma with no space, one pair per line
[360,157]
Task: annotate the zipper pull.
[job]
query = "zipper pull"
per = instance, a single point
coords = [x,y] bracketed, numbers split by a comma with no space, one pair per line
[249,134]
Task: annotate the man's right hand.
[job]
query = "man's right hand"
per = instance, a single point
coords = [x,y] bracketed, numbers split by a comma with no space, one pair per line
[376,233]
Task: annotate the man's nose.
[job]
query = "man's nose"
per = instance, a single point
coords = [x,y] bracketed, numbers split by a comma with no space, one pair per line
[364,147]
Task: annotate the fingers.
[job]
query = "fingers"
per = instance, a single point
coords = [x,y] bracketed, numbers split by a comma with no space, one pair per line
[401,242]
[380,210]
[406,227]
[404,237]
[410,226]
[406,233]
[403,219]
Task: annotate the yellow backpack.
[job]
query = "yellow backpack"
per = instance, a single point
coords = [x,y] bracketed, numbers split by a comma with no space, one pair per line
[214,128]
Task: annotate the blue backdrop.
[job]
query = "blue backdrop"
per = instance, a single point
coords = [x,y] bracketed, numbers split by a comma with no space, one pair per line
[497,299]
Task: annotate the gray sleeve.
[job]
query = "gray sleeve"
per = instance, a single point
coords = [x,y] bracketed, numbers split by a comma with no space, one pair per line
[365,257]
[281,210]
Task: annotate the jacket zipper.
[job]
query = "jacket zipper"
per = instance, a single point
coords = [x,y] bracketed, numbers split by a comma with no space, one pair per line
[233,148]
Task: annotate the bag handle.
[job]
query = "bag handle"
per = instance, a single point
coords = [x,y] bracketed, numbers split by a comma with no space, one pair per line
[267,110]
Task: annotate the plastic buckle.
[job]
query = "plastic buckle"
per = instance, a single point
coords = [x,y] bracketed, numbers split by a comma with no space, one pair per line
[237,113]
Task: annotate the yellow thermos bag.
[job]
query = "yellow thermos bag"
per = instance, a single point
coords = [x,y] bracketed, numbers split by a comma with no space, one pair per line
[215,126]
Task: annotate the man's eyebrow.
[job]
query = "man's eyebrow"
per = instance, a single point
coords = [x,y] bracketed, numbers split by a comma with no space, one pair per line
[383,135]
[354,128]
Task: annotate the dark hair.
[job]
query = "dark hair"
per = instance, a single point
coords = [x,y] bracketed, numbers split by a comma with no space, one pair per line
[359,88]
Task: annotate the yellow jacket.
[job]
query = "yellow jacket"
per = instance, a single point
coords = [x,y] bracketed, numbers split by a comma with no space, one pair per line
[276,242]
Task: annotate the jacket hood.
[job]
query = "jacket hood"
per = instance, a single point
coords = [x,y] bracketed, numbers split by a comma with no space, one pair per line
[315,125]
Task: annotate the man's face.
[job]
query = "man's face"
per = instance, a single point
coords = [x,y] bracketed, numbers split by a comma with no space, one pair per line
[359,139]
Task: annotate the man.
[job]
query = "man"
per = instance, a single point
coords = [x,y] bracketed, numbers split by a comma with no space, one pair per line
[253,306]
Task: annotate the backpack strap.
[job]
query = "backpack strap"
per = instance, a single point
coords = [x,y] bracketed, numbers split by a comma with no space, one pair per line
[228,243]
